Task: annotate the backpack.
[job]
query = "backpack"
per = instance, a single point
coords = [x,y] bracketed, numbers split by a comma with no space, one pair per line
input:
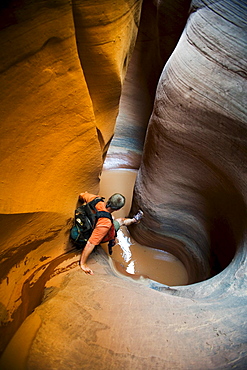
[85,220]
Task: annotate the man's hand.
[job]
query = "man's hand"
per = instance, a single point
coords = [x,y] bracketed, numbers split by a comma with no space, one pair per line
[86,269]
[81,196]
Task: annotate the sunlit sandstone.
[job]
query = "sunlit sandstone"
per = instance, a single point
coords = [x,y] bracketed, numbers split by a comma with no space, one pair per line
[191,185]
[62,66]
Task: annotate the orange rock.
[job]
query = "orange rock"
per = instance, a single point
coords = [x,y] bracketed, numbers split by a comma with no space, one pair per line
[62,66]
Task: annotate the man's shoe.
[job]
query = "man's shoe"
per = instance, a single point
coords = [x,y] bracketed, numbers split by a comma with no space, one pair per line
[138,216]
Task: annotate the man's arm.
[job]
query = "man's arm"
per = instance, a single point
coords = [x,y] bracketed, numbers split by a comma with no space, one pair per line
[84,256]
[86,197]
[101,229]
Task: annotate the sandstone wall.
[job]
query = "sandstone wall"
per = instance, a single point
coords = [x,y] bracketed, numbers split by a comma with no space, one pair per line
[161,25]
[62,66]
[192,180]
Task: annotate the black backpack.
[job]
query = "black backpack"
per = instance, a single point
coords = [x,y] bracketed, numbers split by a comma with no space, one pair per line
[85,220]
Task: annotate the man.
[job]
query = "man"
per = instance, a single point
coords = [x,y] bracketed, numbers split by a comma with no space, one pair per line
[104,229]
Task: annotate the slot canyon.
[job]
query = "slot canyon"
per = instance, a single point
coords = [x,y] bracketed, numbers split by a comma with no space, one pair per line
[155,89]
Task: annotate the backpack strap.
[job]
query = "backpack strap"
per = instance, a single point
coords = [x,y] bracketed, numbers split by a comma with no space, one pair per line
[99,214]
[90,204]
[104,214]
[93,202]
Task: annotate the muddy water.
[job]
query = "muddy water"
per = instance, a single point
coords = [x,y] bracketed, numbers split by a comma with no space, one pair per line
[130,258]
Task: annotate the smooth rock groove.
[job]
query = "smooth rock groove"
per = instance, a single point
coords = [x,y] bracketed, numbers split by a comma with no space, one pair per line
[192,180]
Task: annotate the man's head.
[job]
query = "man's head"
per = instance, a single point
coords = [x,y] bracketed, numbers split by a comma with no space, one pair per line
[115,202]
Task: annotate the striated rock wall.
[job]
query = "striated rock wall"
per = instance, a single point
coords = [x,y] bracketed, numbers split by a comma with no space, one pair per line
[106,35]
[192,180]
[161,25]
[49,108]
[62,65]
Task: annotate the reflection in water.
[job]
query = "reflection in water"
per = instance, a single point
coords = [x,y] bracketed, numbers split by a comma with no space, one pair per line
[125,243]
[129,257]
[131,268]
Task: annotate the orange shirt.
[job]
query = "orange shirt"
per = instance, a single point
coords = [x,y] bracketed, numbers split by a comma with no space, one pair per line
[103,224]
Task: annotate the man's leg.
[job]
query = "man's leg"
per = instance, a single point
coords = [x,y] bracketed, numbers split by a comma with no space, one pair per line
[130,221]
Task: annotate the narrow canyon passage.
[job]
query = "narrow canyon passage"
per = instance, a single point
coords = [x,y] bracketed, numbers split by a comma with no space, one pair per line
[156,88]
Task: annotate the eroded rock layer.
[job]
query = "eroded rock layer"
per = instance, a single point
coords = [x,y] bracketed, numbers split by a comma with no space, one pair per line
[62,70]
[161,25]
[62,66]
[192,180]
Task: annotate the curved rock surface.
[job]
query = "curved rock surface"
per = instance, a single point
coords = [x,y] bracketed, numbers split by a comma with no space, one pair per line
[161,25]
[65,81]
[55,129]
[192,180]
[111,323]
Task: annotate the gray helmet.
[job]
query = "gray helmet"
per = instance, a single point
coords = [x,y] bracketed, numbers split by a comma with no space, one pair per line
[116,201]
